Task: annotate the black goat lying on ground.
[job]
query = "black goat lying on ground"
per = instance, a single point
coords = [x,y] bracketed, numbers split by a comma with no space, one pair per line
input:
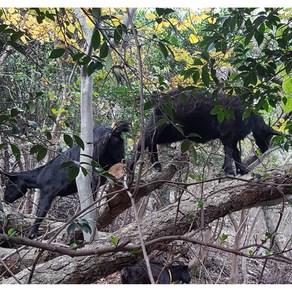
[53,181]
[137,274]
[191,118]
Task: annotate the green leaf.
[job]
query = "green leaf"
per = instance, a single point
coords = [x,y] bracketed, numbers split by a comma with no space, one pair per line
[96,12]
[16,35]
[197,61]
[115,240]
[41,153]
[185,145]
[205,76]
[163,49]
[93,66]
[73,173]
[84,225]
[287,85]
[223,238]
[68,140]
[79,141]
[84,171]
[57,53]
[287,107]
[15,151]
[71,228]
[11,232]
[164,11]
[103,50]
[149,105]
[49,135]
[248,38]
[34,149]
[32,124]
[73,245]
[200,203]
[193,155]
[216,110]
[118,33]
[67,164]
[96,38]
[196,76]
[220,117]
[31,107]
[18,47]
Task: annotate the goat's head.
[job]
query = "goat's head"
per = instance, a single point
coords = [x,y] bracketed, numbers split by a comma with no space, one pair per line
[263,138]
[15,188]
[110,144]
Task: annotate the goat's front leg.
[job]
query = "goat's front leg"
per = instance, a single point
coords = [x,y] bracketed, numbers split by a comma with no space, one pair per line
[43,208]
[227,166]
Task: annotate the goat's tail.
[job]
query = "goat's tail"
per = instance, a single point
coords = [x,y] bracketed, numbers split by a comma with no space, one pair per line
[120,127]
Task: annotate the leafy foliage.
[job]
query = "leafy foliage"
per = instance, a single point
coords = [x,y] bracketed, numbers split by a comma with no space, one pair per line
[179,47]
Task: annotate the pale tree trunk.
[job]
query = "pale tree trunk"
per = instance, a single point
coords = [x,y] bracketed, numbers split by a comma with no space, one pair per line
[83,182]
[102,258]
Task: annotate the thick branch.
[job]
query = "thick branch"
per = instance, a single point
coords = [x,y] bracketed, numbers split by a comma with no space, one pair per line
[120,202]
[227,197]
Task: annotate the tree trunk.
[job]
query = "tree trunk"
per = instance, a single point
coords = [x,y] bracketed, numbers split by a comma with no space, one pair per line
[83,181]
[103,258]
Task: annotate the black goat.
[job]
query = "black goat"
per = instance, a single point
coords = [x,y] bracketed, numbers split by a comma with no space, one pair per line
[138,274]
[187,114]
[53,181]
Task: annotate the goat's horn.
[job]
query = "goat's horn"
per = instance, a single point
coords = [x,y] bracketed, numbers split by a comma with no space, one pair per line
[274,132]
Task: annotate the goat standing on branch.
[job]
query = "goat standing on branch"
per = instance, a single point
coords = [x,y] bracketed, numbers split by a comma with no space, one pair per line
[53,180]
[187,114]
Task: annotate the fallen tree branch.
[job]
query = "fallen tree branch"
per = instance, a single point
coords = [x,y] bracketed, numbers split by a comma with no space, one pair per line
[90,263]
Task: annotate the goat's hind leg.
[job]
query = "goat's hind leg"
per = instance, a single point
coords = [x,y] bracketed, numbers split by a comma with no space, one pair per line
[154,157]
[43,208]
[240,167]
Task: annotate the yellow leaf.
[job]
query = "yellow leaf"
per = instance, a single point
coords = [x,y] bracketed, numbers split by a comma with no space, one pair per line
[193,39]
[173,21]
[11,10]
[23,39]
[211,20]
[71,28]
[150,16]
[158,26]
[165,23]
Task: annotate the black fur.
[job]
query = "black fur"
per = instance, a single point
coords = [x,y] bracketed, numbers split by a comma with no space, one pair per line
[138,274]
[53,181]
[191,111]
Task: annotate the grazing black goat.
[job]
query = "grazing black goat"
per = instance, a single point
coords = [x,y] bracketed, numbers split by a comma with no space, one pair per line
[138,274]
[53,181]
[187,114]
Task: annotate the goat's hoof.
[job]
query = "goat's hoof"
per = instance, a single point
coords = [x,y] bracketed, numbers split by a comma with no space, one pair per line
[30,234]
[242,171]
[229,172]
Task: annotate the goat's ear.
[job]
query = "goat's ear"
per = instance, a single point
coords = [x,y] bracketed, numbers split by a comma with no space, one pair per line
[10,175]
[120,127]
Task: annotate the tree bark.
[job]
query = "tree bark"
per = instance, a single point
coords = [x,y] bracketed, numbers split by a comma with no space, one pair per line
[102,258]
[83,182]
